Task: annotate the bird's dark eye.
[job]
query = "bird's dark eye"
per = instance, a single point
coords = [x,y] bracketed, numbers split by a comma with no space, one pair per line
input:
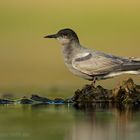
[65,34]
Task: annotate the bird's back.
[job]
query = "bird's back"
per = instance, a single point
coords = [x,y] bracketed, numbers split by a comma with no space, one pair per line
[95,63]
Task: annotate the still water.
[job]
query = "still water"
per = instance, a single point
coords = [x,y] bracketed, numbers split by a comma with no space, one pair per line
[69,122]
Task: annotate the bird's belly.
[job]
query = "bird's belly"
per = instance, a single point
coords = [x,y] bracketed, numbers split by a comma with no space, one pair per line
[68,62]
[78,73]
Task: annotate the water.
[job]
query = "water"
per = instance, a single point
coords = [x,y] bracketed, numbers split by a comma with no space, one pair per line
[69,122]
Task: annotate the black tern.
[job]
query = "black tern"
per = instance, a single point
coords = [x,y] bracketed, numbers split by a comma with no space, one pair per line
[90,64]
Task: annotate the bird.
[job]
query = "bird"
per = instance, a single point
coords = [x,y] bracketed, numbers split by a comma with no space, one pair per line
[91,64]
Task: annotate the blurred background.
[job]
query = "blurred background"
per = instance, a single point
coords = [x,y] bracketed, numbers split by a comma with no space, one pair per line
[31,64]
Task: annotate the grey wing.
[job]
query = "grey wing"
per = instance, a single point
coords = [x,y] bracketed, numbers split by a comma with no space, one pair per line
[95,64]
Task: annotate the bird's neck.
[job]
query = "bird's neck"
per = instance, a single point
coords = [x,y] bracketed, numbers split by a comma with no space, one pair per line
[70,49]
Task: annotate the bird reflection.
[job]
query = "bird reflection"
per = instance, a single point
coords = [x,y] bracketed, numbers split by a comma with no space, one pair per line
[104,122]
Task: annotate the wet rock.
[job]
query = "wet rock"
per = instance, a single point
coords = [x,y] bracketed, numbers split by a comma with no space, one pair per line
[6,101]
[25,100]
[90,93]
[40,99]
[126,92]
[59,101]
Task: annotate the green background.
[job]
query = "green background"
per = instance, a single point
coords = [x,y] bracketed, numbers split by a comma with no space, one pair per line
[29,63]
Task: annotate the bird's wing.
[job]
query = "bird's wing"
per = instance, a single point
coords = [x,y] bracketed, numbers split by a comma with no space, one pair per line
[96,63]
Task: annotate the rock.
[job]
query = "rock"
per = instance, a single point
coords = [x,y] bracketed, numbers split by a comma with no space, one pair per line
[59,101]
[25,100]
[126,92]
[40,99]
[6,101]
[91,94]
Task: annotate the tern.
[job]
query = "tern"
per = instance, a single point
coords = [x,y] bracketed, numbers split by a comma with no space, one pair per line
[91,64]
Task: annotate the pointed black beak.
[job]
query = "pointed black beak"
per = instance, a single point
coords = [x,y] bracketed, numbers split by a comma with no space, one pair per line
[51,36]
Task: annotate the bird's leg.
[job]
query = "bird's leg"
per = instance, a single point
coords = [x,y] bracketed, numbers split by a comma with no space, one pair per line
[94,82]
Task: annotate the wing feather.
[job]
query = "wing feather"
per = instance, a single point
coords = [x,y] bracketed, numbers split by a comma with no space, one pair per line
[94,64]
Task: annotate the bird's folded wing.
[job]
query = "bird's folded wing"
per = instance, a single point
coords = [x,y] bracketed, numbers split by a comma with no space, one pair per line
[96,64]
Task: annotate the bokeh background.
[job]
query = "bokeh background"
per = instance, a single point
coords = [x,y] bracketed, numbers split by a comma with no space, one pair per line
[31,64]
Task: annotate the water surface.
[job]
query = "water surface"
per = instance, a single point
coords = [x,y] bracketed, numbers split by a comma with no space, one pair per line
[69,122]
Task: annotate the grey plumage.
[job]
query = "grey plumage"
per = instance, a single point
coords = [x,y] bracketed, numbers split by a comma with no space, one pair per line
[90,64]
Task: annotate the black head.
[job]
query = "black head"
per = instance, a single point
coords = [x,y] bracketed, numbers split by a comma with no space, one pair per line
[64,34]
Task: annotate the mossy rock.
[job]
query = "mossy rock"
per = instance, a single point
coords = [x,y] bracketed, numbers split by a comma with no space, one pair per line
[125,92]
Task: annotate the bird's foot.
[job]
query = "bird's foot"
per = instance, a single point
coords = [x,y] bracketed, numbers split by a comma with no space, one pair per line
[93,82]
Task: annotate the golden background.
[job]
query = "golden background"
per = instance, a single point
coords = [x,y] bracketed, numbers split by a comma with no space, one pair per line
[29,63]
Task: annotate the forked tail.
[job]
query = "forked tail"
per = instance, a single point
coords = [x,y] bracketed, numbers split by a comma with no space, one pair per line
[129,66]
[133,67]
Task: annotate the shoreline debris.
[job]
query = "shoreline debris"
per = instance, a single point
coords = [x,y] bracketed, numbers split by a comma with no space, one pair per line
[127,92]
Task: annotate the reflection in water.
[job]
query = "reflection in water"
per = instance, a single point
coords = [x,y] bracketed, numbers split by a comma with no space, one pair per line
[70,122]
[106,122]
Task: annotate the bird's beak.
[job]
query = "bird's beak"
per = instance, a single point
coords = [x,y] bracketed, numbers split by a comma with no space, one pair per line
[51,36]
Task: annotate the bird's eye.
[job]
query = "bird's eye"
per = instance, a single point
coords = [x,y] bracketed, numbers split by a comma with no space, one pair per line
[65,34]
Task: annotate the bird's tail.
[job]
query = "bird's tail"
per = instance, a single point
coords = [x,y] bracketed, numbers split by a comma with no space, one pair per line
[136,61]
[133,66]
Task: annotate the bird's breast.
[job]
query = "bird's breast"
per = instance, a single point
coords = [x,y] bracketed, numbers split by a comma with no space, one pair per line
[68,62]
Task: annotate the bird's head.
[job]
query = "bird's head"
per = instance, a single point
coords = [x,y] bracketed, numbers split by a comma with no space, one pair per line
[65,36]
